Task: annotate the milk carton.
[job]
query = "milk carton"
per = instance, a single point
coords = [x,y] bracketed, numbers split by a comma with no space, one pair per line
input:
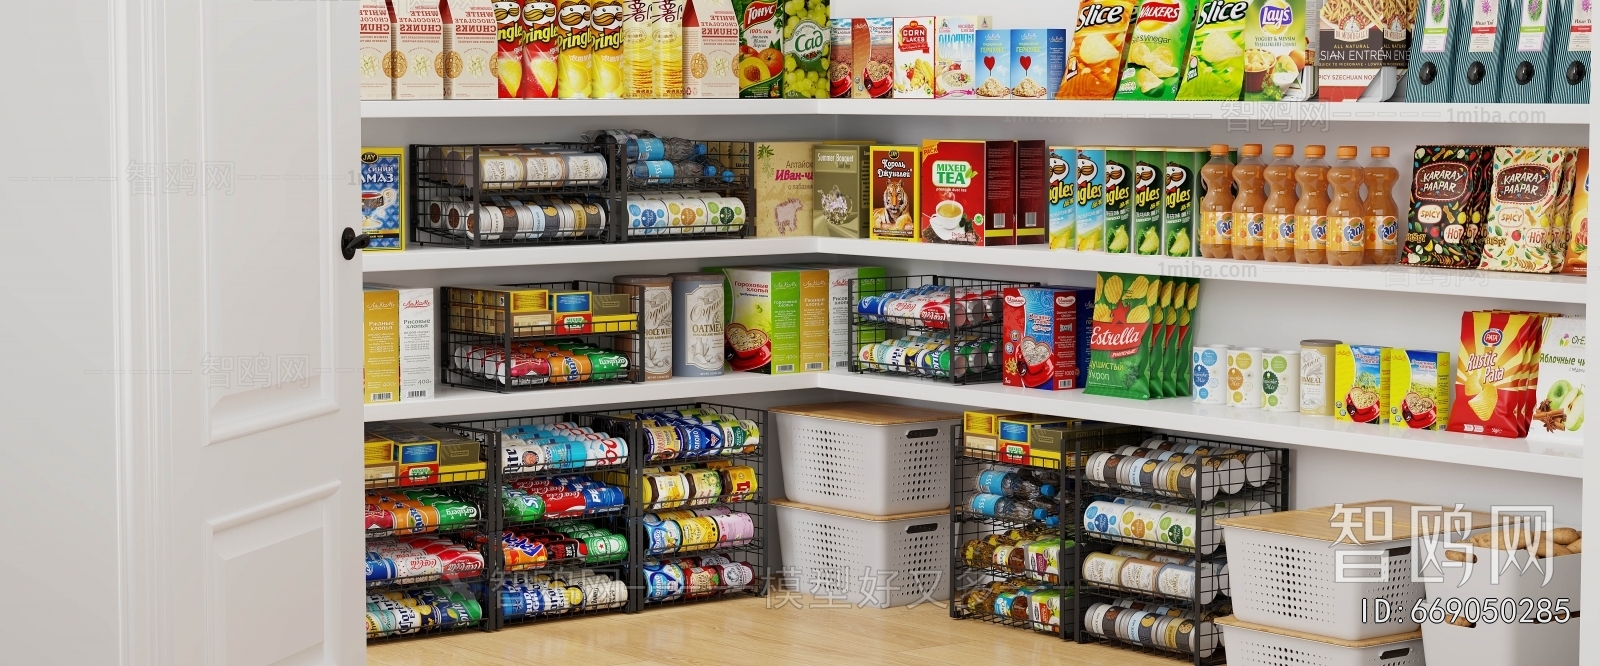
[419,39]
[377,54]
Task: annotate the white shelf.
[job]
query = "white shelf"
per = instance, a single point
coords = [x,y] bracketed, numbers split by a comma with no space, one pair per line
[1309,113]
[435,258]
[451,403]
[1182,414]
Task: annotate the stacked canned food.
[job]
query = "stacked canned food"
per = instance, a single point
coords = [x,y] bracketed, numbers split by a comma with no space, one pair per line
[410,612]
[527,596]
[565,361]
[1031,553]
[1016,493]
[933,306]
[1035,606]
[542,447]
[518,218]
[698,485]
[686,531]
[928,326]
[528,500]
[513,194]
[676,213]
[561,543]
[1158,572]
[1149,624]
[392,511]
[693,432]
[695,577]
[404,561]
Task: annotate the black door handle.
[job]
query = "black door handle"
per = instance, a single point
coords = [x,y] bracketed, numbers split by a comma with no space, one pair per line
[351,242]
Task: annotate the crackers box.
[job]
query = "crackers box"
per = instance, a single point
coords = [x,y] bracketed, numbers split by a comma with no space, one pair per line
[1020,436]
[416,325]
[874,46]
[994,64]
[981,427]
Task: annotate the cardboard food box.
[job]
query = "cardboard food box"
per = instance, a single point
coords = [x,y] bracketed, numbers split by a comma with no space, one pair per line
[710,50]
[1441,28]
[380,473]
[1477,70]
[913,57]
[1095,63]
[1419,393]
[896,193]
[842,81]
[416,322]
[874,49]
[1528,61]
[484,310]
[1558,414]
[760,64]
[763,322]
[377,449]
[1158,50]
[1275,52]
[1061,171]
[994,64]
[1041,332]
[807,44]
[383,198]
[955,54]
[1570,83]
[1361,383]
[981,428]
[470,31]
[954,193]
[419,38]
[1361,54]
[784,177]
[380,358]
[376,50]
[1020,436]
[841,307]
[1033,193]
[843,190]
[1000,198]
[1038,60]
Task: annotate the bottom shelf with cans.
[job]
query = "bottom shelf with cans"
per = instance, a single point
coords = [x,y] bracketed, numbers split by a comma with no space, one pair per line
[423,611]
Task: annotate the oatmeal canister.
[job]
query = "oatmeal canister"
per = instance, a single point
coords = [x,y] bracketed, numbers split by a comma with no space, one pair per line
[1316,377]
[697,328]
[654,300]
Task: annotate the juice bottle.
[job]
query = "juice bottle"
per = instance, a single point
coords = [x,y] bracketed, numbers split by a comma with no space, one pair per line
[1310,221]
[1383,214]
[1249,207]
[1216,207]
[1280,205]
[1347,214]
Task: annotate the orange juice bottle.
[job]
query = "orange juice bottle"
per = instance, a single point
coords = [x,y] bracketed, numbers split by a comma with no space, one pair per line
[1216,207]
[1249,208]
[1347,213]
[1279,242]
[1310,212]
[1383,213]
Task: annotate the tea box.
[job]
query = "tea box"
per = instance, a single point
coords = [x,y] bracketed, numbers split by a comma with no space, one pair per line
[575,47]
[710,50]
[842,185]
[1419,393]
[419,41]
[760,63]
[896,182]
[764,320]
[980,428]
[470,45]
[1060,170]
[1535,27]
[1216,61]
[1044,330]
[1158,50]
[1001,189]
[1019,435]
[784,175]
[953,192]
[807,48]
[376,50]
[1578,222]
[1038,60]
[1275,51]
[1095,63]
[955,54]
[994,64]
[1526,229]
[383,200]
[415,323]
[1033,196]
[1558,414]
[913,57]
[1449,205]
[842,73]
[380,346]
[873,59]
[1361,383]
[1496,373]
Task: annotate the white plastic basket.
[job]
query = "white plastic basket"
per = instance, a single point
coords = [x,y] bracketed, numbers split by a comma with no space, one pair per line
[867,458]
[882,561]
[1254,645]
[1503,643]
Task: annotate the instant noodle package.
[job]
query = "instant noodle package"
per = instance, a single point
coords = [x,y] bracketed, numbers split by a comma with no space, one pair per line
[1497,372]
[1140,340]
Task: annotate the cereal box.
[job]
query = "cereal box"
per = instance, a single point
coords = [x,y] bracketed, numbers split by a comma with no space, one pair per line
[896,192]
[953,192]
[1275,51]
[807,48]
[1558,415]
[913,57]
[383,201]
[1038,60]
[874,45]
[1526,228]
[472,44]
[1578,221]
[710,48]
[842,186]
[994,64]
[1449,204]
[955,54]
[1496,373]
[1041,327]
[1061,171]
[1361,383]
[1033,196]
[606,62]
[1121,346]
[783,187]
[841,75]
[763,330]
[760,48]
[815,304]
[1157,50]
[377,54]
[1091,204]
[1419,389]
[1216,52]
[419,38]
[1095,63]
[1000,200]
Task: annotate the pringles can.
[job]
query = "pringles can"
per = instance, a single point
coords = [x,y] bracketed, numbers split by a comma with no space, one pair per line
[1118,200]
[576,43]
[1148,174]
[1180,199]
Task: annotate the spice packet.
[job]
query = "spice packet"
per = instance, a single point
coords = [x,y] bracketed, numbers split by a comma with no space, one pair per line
[1157,50]
[1095,63]
[1449,204]
[1216,52]
[1526,229]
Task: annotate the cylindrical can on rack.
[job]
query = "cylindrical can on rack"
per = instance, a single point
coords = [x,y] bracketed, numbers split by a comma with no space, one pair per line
[1244,377]
[1316,377]
[1210,374]
[652,296]
[697,301]
[1280,381]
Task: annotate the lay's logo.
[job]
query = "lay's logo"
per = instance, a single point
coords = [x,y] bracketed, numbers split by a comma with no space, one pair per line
[1160,11]
[1276,15]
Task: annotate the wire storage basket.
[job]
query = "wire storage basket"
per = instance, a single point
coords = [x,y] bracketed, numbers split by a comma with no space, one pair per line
[497,195]
[540,336]
[680,189]
[932,327]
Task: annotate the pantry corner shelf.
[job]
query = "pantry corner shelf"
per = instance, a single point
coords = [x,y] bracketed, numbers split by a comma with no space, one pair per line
[438,258]
[460,402]
[582,108]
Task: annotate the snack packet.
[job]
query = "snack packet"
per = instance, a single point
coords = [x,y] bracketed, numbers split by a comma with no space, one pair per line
[1157,50]
[1216,52]
[1495,373]
[1120,346]
[1095,63]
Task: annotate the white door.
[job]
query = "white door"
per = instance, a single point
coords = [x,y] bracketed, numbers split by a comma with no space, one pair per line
[229,129]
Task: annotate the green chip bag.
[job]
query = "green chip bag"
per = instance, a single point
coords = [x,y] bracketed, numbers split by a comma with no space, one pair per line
[1216,52]
[1122,338]
[1156,50]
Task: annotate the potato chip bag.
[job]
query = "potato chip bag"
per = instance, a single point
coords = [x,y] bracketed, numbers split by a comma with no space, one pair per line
[1095,62]
[1157,50]
[1527,227]
[1496,371]
[1216,52]
[1578,223]
[1121,344]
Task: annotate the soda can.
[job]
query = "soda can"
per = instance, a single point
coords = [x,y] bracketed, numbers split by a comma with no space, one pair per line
[380,569]
[454,513]
[606,548]
[603,498]
[735,576]
[381,623]
[565,549]
[697,533]
[663,536]
[379,520]
[605,452]
[738,483]
[563,503]
[606,365]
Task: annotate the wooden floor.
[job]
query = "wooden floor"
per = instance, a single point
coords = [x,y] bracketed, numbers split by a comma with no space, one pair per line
[745,632]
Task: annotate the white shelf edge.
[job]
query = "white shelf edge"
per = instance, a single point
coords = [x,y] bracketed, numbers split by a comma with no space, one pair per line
[1305,113]
[1178,414]
[430,258]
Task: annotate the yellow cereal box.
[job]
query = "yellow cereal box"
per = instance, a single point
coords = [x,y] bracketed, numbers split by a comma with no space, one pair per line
[1419,389]
[1361,383]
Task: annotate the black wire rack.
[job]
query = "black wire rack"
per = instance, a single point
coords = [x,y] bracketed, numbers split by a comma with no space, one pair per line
[695,205]
[445,569]
[489,345]
[932,327]
[423,611]
[498,195]
[1206,479]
